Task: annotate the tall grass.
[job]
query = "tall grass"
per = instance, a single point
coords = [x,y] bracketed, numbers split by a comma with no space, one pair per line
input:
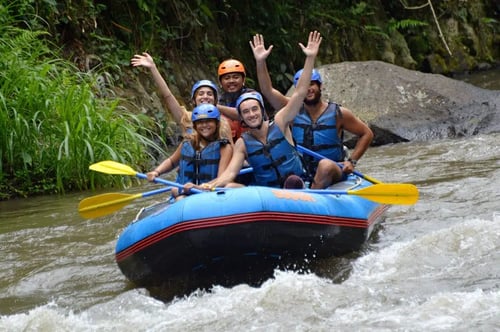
[53,125]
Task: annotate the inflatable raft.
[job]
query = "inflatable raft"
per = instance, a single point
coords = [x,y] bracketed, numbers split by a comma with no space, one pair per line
[228,236]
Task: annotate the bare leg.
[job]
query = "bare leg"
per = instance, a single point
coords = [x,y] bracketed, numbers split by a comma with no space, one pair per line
[328,172]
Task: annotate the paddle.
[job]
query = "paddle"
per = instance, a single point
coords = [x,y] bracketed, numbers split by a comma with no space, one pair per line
[384,193]
[113,167]
[104,204]
[319,156]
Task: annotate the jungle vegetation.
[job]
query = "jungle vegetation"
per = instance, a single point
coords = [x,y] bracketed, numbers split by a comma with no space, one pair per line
[65,73]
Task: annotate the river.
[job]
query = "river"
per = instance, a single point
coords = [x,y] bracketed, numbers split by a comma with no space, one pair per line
[433,266]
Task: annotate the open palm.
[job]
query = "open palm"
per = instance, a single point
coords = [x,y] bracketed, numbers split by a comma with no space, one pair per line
[259,49]
[313,44]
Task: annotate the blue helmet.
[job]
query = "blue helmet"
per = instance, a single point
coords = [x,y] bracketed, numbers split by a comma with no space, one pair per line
[205,111]
[250,95]
[315,76]
[201,83]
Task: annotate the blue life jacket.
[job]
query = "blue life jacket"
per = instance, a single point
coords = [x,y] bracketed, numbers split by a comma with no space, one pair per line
[274,161]
[199,166]
[320,137]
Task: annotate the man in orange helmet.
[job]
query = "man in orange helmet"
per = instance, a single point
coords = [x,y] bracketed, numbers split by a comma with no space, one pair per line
[232,75]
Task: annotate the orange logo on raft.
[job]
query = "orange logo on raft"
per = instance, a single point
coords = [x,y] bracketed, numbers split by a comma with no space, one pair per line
[293,195]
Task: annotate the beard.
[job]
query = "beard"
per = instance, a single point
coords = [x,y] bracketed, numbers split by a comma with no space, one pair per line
[315,100]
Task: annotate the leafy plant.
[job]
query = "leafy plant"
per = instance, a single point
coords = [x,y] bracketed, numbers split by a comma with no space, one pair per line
[408,25]
[54,121]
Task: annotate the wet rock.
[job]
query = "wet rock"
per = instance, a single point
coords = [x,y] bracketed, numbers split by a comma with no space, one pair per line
[406,105]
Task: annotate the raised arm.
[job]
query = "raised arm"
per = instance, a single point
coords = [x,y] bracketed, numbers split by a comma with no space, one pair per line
[290,111]
[273,96]
[145,60]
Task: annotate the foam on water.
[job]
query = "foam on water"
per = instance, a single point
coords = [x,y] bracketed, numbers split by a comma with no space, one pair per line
[441,281]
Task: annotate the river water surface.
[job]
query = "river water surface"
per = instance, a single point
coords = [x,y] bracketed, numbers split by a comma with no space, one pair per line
[433,266]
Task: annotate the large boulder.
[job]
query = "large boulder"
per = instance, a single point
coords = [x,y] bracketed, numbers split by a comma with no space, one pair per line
[405,105]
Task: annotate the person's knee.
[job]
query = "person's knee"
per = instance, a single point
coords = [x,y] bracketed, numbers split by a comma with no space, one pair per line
[328,168]
[328,172]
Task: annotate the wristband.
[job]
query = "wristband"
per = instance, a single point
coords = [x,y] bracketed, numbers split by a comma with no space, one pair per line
[352,161]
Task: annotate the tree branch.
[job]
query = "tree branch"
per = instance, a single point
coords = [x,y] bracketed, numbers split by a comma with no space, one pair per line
[429,3]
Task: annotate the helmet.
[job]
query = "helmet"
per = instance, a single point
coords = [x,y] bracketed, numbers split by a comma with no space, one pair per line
[250,95]
[231,66]
[315,76]
[205,111]
[201,83]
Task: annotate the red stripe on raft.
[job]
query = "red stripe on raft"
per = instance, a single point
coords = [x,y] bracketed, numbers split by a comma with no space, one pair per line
[247,218]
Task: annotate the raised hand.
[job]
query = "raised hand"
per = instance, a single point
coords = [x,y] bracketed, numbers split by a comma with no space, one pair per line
[144,60]
[259,50]
[313,44]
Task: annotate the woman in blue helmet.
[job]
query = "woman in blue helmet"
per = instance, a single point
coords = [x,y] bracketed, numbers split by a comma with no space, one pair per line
[204,91]
[268,146]
[318,126]
[203,155]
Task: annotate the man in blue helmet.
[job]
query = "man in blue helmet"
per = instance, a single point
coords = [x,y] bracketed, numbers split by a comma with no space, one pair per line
[268,146]
[318,126]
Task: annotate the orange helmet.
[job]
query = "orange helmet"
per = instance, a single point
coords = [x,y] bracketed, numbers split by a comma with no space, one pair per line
[231,66]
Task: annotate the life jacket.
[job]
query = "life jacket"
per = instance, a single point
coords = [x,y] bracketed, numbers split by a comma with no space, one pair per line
[229,99]
[321,137]
[199,166]
[274,161]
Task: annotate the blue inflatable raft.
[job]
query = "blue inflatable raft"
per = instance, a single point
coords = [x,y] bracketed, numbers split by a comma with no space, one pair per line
[225,237]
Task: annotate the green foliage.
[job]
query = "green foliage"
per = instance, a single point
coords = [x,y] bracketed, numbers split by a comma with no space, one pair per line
[53,124]
[409,25]
[491,23]
[376,30]
[286,23]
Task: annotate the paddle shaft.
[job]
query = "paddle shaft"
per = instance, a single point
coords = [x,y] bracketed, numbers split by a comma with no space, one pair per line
[246,170]
[319,156]
[167,182]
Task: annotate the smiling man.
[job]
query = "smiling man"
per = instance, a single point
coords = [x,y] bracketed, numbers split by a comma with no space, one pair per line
[232,76]
[268,146]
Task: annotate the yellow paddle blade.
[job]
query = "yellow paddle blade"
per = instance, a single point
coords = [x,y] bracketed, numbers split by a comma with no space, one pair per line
[389,193]
[104,204]
[112,167]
